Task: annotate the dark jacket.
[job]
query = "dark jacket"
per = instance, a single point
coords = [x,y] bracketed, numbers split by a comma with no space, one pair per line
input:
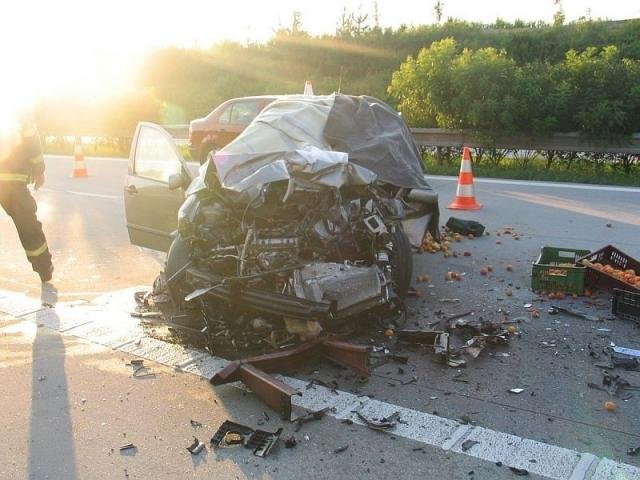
[22,159]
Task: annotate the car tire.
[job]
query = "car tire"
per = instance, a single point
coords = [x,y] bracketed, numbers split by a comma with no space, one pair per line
[401,262]
[177,257]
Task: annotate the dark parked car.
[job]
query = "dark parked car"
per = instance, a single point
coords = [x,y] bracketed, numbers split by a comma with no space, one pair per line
[223,124]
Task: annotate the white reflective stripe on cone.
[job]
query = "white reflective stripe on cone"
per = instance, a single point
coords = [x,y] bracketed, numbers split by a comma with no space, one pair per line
[465,166]
[465,191]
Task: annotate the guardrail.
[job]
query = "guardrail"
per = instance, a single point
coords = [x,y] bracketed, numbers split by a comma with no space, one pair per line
[567,142]
[443,138]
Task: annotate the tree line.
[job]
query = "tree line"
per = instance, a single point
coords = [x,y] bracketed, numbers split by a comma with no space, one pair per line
[534,76]
[595,91]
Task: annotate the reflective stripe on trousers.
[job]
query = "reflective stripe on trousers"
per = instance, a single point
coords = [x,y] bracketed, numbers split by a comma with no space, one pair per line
[13,177]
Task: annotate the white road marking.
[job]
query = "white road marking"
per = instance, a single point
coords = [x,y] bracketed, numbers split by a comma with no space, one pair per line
[101,159]
[527,183]
[96,195]
[116,329]
[84,194]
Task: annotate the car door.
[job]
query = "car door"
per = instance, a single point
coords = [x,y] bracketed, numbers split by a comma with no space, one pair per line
[151,207]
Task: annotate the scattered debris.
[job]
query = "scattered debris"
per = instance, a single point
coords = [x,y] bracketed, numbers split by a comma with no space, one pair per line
[262,442]
[310,417]
[468,444]
[554,310]
[627,351]
[233,434]
[277,394]
[383,424]
[232,438]
[439,341]
[143,372]
[465,227]
[195,424]
[152,314]
[465,420]
[614,385]
[290,442]
[623,361]
[341,449]
[196,447]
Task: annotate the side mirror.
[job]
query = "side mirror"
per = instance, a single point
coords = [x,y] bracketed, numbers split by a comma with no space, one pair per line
[175,181]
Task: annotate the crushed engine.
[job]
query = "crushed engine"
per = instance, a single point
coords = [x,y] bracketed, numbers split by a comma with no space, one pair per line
[314,260]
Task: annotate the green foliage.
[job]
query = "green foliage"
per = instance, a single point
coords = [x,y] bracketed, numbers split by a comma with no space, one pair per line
[175,85]
[606,91]
[485,90]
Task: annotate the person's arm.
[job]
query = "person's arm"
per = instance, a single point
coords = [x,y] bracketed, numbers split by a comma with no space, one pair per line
[33,149]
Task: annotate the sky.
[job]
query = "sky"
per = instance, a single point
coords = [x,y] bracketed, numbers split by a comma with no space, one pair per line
[92,46]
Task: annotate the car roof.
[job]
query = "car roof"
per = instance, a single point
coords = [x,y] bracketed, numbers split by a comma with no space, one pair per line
[257,97]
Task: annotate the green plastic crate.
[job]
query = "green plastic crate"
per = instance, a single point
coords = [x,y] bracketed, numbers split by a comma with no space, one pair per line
[549,275]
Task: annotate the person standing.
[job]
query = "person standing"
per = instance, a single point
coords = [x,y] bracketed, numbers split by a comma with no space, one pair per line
[22,163]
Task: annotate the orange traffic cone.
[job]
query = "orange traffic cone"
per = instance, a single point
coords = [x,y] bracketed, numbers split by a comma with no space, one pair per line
[465,199]
[79,167]
[308,88]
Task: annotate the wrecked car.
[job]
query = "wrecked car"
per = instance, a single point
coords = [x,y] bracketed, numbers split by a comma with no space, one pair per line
[307,219]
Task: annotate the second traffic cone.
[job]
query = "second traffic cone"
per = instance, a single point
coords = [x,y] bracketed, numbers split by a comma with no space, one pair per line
[79,167]
[308,88]
[465,198]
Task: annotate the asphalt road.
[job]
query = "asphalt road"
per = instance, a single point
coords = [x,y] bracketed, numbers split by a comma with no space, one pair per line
[84,221]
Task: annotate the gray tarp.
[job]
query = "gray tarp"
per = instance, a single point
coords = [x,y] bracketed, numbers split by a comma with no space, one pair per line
[310,131]
[377,138]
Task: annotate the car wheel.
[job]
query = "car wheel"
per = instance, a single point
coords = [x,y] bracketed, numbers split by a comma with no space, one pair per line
[177,257]
[401,262]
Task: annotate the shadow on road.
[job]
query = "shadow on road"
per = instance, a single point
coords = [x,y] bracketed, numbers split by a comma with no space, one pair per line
[51,442]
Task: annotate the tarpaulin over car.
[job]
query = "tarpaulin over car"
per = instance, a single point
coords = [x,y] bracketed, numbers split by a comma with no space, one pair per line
[375,137]
[299,136]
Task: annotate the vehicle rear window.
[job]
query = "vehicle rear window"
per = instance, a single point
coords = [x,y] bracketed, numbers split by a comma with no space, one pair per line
[243,113]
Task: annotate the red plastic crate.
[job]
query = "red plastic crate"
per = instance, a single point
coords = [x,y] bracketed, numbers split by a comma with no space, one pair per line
[610,255]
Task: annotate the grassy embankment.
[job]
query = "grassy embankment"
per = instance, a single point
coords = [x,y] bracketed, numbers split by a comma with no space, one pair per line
[583,172]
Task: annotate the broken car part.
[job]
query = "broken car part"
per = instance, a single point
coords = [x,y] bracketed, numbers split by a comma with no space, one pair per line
[259,441]
[468,444]
[255,372]
[627,351]
[465,227]
[310,417]
[196,447]
[383,424]
[439,341]
[574,313]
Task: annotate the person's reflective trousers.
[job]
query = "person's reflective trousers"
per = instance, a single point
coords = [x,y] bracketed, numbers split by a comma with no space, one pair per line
[17,201]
